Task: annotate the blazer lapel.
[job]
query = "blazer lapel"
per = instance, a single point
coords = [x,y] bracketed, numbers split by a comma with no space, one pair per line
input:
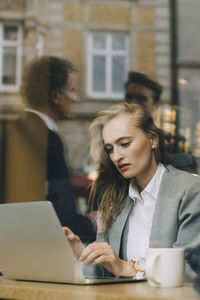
[164,210]
[115,232]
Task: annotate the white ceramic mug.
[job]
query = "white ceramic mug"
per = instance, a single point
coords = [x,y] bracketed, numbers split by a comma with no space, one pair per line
[165,267]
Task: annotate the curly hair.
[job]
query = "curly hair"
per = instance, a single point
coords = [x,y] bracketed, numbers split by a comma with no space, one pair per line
[43,77]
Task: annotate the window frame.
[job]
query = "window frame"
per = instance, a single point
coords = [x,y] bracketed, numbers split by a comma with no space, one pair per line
[181,64]
[108,52]
[40,45]
[17,44]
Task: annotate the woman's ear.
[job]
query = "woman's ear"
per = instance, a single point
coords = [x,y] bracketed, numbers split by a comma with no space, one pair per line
[153,138]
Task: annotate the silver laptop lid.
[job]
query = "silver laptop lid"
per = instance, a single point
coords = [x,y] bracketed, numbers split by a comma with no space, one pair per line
[33,245]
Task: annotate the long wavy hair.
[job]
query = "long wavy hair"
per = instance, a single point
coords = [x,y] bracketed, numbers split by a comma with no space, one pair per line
[110,188]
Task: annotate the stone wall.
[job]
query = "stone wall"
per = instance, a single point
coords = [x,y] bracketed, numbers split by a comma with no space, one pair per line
[147,24]
[12,5]
[65,24]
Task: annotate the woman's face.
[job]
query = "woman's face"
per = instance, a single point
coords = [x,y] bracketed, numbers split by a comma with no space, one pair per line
[129,147]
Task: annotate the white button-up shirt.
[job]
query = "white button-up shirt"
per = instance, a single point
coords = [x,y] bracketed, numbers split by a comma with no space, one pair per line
[141,215]
[47,120]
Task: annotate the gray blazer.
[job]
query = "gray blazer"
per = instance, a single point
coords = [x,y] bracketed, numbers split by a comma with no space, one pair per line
[176,220]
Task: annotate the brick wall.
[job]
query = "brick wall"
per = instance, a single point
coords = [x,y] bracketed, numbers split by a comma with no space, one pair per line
[65,25]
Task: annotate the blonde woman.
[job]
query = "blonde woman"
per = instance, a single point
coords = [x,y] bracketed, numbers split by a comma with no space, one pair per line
[143,201]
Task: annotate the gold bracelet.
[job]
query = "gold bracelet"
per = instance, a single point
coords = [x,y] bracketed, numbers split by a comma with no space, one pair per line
[138,265]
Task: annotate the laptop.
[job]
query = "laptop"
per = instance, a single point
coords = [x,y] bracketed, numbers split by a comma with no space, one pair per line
[33,246]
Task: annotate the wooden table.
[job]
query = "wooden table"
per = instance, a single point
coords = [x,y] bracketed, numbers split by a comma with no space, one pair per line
[10,289]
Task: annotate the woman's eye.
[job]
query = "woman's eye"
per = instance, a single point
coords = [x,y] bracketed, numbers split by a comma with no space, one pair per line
[125,144]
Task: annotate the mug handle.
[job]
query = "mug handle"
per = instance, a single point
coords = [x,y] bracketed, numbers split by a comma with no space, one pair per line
[150,266]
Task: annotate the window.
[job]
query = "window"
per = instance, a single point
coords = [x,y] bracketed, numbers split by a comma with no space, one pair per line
[186,72]
[10,56]
[107,64]
[40,45]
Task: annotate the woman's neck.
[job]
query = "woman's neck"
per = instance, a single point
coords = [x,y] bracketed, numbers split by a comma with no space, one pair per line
[144,178]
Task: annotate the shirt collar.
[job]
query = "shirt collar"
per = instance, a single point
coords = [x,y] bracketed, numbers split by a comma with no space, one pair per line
[47,120]
[152,188]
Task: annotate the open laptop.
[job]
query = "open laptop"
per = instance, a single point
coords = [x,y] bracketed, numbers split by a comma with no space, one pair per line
[33,246]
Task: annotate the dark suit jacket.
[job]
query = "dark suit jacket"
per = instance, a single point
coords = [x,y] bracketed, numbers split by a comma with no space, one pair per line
[36,170]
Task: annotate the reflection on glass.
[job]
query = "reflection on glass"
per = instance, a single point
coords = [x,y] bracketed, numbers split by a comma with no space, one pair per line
[118,42]
[99,41]
[10,33]
[189,116]
[188,46]
[9,65]
[99,73]
[197,148]
[118,73]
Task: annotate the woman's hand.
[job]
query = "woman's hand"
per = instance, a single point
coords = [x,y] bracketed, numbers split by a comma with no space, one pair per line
[102,253]
[75,242]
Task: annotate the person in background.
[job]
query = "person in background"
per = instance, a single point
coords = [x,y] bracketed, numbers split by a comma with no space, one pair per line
[144,90]
[145,202]
[139,84]
[36,167]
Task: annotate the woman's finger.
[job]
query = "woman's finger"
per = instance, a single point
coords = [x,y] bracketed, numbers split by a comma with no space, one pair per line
[92,257]
[70,235]
[67,231]
[94,250]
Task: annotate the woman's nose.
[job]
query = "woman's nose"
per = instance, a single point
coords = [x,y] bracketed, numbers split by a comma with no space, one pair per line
[117,155]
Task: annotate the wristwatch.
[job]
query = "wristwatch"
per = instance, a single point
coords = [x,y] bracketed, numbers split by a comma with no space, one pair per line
[138,265]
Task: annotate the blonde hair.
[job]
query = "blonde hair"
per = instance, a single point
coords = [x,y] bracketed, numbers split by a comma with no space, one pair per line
[111,187]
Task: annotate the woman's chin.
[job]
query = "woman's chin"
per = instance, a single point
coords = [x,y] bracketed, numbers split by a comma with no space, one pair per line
[127,175]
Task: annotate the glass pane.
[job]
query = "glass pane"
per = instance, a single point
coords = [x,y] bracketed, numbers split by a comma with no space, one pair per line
[9,65]
[10,32]
[99,74]
[189,119]
[118,73]
[99,41]
[40,45]
[188,29]
[118,42]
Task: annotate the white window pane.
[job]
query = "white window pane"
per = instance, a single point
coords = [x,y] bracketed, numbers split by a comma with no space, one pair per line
[188,29]
[40,45]
[99,41]
[118,42]
[9,65]
[108,62]
[99,73]
[118,73]
[10,32]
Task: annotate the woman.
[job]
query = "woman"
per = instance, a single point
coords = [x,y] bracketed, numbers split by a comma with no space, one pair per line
[144,202]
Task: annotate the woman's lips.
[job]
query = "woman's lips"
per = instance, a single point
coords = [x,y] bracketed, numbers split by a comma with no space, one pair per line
[123,167]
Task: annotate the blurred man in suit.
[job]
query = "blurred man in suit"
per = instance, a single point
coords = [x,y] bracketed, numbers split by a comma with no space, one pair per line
[144,90]
[36,167]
